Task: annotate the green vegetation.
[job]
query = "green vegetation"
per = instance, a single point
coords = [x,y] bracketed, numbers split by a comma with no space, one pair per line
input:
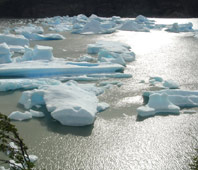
[194,165]
[12,145]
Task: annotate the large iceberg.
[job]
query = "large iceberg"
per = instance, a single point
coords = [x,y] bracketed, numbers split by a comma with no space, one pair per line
[5,54]
[68,103]
[158,103]
[56,67]
[12,39]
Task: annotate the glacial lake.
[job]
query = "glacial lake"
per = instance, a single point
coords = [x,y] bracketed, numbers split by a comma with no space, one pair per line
[117,141]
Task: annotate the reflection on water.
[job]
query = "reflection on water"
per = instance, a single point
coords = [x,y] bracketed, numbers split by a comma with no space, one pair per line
[117,140]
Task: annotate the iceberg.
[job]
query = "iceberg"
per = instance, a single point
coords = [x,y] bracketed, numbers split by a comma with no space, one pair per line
[56,67]
[17,115]
[12,39]
[30,28]
[68,103]
[38,53]
[42,37]
[27,84]
[102,106]
[158,103]
[181,28]
[170,84]
[35,113]
[181,98]
[133,26]
[5,54]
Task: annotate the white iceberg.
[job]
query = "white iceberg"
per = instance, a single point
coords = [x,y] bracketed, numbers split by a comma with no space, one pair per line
[158,103]
[29,28]
[12,39]
[131,25]
[17,115]
[181,98]
[38,53]
[56,67]
[68,103]
[102,106]
[27,84]
[35,113]
[42,37]
[181,28]
[5,54]
[170,84]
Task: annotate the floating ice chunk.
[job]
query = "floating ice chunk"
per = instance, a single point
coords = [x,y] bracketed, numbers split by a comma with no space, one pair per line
[5,54]
[180,98]
[189,111]
[33,158]
[158,79]
[181,28]
[15,84]
[12,39]
[38,53]
[102,106]
[35,113]
[17,48]
[111,57]
[86,58]
[71,105]
[170,84]
[35,36]
[133,26]
[32,98]
[56,67]
[17,115]
[111,46]
[143,19]
[92,88]
[158,103]
[29,28]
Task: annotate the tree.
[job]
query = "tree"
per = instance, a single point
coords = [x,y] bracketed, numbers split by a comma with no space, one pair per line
[12,145]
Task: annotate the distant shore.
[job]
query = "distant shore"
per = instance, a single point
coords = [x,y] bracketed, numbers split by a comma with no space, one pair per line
[103,8]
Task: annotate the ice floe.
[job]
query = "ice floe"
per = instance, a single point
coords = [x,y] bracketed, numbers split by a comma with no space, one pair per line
[102,106]
[5,54]
[68,103]
[27,84]
[38,53]
[181,98]
[30,28]
[12,39]
[17,115]
[158,103]
[43,37]
[181,28]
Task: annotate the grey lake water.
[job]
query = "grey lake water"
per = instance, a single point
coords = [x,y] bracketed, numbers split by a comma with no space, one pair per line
[117,141]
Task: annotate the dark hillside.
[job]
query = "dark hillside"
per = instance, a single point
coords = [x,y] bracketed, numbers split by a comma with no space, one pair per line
[124,8]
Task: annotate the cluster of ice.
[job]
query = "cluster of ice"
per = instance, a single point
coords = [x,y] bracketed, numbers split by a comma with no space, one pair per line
[158,103]
[12,39]
[111,52]
[27,84]
[181,28]
[68,103]
[38,53]
[5,54]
